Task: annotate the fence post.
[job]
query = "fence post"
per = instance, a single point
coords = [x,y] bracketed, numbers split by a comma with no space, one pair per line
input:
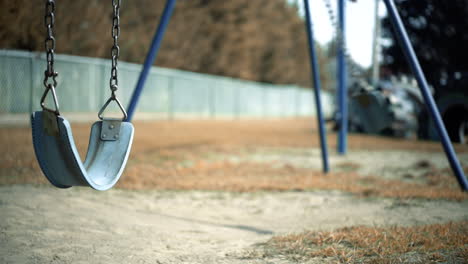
[170,104]
[213,101]
[298,102]
[237,114]
[264,101]
[31,79]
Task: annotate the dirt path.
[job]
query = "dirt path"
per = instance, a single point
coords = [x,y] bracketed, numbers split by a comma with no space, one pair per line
[387,164]
[45,225]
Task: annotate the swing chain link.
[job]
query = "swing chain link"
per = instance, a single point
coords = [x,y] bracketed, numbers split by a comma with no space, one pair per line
[355,69]
[115,50]
[49,43]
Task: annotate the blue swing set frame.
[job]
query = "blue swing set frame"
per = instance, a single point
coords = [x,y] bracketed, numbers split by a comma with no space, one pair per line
[403,41]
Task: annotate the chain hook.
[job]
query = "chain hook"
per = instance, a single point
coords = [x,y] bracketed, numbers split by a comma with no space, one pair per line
[51,88]
[355,69]
[103,108]
[47,75]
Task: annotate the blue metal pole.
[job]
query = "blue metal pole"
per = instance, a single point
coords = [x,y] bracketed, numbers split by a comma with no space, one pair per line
[153,51]
[342,145]
[316,77]
[423,86]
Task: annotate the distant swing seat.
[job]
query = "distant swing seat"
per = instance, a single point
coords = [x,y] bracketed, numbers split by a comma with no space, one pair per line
[109,147]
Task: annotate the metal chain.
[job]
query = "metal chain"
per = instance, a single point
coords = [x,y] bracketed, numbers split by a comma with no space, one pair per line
[49,21]
[355,69]
[115,50]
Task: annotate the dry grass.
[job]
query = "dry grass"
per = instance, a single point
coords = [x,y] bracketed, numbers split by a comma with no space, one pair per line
[348,166]
[182,155]
[248,176]
[420,244]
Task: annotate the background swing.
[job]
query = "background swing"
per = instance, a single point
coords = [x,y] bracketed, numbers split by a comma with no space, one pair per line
[110,140]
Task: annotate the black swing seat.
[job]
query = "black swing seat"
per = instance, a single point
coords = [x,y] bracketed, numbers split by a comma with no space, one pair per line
[59,159]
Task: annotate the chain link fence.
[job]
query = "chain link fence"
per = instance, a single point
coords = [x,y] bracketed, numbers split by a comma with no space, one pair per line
[83,86]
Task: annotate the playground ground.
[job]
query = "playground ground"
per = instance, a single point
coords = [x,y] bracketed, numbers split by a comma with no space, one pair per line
[240,191]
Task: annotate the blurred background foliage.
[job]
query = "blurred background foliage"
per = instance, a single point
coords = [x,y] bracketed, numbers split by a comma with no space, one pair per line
[438,31]
[262,40]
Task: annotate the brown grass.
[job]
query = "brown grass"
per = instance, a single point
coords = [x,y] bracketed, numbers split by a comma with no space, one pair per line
[421,244]
[348,166]
[182,155]
[247,176]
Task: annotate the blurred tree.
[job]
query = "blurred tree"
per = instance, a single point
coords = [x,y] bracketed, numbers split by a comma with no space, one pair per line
[262,40]
[439,33]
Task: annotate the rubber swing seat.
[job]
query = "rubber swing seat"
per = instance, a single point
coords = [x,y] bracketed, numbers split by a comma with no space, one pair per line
[60,162]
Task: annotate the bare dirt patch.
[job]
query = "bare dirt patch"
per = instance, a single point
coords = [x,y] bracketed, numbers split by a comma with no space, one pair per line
[41,224]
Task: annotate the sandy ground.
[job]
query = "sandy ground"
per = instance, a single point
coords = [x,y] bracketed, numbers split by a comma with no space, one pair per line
[386,164]
[41,224]
[45,225]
